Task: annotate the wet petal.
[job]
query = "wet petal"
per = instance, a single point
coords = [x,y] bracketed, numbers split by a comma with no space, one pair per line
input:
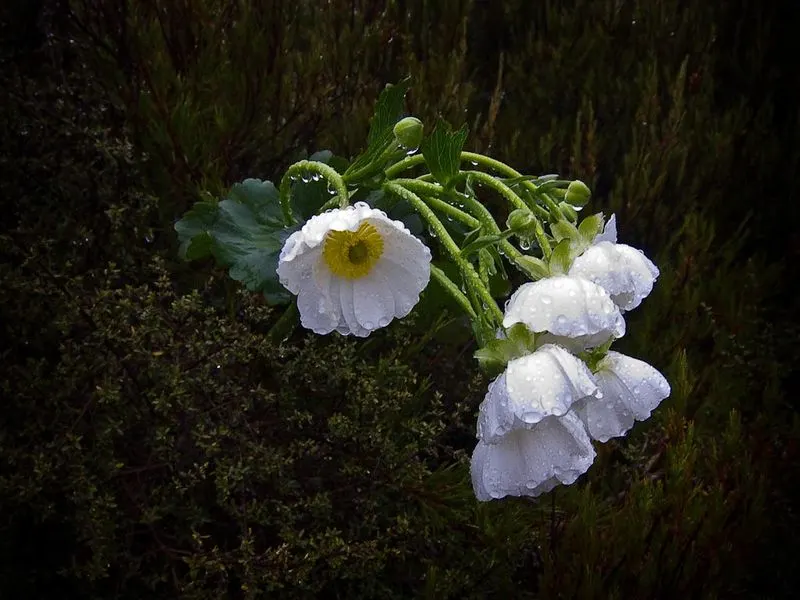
[532,462]
[577,314]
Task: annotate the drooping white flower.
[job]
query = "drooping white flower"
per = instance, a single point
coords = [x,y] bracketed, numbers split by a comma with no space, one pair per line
[353,270]
[624,272]
[631,389]
[576,313]
[543,384]
[530,462]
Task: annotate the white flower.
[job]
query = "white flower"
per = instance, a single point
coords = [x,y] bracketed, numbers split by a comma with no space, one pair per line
[631,389]
[532,462]
[353,270]
[536,386]
[577,313]
[624,272]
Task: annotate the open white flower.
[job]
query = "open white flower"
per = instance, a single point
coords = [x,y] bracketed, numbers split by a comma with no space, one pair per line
[353,270]
[624,272]
[631,389]
[532,462]
[577,313]
[536,386]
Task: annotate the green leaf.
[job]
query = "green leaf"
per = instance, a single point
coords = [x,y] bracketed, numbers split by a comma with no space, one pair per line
[388,110]
[442,151]
[244,232]
[194,229]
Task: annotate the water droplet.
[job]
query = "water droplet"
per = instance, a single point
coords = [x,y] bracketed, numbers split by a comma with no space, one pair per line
[316,177]
[369,325]
[411,151]
[331,189]
[525,244]
[384,321]
[474,163]
[546,300]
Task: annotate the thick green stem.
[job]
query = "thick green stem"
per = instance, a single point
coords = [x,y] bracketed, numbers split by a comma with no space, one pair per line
[498,186]
[476,208]
[503,169]
[451,288]
[406,163]
[429,191]
[302,168]
[471,278]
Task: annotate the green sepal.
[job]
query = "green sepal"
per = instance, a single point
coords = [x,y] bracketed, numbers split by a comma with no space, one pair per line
[561,258]
[591,226]
[534,267]
[495,355]
[564,230]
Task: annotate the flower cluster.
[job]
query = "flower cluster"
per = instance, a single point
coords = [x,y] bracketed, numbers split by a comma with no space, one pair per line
[352,269]
[536,423]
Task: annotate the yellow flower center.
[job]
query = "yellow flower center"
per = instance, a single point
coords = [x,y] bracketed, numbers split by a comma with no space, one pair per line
[352,254]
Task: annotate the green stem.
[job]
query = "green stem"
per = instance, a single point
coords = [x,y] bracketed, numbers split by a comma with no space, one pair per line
[498,186]
[476,208]
[285,324]
[506,171]
[404,164]
[374,166]
[302,168]
[452,212]
[471,277]
[429,191]
[452,289]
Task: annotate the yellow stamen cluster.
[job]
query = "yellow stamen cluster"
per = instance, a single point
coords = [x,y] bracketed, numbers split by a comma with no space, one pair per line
[352,254]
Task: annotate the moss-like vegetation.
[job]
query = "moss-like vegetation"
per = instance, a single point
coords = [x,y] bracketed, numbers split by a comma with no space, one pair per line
[154,444]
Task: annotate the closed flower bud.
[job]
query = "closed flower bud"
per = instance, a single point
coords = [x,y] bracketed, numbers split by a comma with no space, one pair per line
[408,132]
[522,222]
[578,193]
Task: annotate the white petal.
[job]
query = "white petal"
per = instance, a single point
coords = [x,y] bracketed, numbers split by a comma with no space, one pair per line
[577,313]
[346,297]
[609,232]
[494,418]
[631,390]
[328,302]
[532,462]
[624,272]
[374,301]
[545,383]
[404,286]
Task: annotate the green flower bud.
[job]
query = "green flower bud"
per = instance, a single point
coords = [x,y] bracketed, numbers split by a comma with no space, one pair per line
[408,132]
[568,211]
[578,193]
[521,221]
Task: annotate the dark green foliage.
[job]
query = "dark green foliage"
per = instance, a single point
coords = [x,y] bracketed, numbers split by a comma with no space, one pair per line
[155,444]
